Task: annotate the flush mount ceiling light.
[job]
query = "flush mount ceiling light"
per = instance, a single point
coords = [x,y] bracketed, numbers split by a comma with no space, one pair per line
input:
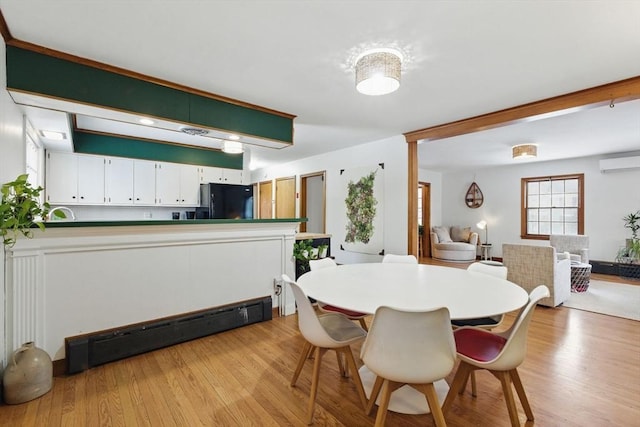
[232,147]
[525,151]
[146,121]
[378,71]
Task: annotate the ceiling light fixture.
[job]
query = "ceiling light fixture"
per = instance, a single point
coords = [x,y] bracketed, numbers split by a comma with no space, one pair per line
[146,121]
[378,71]
[53,135]
[525,151]
[232,147]
[234,137]
[194,131]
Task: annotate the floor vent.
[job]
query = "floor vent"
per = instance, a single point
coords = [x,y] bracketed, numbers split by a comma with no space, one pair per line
[89,350]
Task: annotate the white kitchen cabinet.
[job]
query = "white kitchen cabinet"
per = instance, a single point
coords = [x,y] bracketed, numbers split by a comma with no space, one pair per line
[189,185]
[144,182]
[119,181]
[209,174]
[75,179]
[177,185]
[220,175]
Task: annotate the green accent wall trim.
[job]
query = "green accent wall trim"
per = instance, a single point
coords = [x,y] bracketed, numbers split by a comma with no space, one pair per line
[35,72]
[71,224]
[110,145]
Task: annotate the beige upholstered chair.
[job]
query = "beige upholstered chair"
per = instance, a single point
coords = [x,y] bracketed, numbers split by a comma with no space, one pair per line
[576,246]
[499,353]
[453,243]
[530,266]
[331,331]
[414,348]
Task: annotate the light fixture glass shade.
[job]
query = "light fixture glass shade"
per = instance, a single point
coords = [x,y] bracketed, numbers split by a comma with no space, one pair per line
[482,225]
[378,72]
[525,151]
[232,147]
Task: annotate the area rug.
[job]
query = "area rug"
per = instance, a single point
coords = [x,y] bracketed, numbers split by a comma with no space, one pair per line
[613,299]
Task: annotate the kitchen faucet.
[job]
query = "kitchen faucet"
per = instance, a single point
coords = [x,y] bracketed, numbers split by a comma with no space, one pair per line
[50,215]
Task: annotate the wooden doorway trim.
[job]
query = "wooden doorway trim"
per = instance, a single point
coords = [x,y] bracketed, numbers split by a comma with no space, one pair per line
[304,195]
[611,93]
[426,219]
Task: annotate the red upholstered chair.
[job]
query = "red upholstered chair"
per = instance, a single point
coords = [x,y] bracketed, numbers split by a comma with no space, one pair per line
[499,353]
[317,264]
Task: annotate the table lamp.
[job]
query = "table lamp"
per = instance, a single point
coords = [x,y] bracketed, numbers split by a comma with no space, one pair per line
[482,225]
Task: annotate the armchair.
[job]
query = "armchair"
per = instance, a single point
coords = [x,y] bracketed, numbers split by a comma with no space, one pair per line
[577,246]
[530,266]
[453,243]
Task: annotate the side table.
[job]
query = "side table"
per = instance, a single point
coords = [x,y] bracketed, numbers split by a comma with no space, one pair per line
[485,252]
[580,277]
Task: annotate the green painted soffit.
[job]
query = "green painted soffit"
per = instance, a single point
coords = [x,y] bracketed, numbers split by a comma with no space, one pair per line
[109,145]
[35,72]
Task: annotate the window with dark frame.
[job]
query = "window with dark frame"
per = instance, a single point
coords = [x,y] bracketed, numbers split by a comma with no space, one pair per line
[552,205]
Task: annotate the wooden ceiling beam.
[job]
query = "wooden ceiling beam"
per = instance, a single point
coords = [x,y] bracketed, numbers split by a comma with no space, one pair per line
[611,93]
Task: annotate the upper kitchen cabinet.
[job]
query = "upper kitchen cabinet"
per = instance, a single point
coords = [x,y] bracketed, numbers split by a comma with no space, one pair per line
[177,185]
[74,179]
[220,175]
[144,182]
[119,181]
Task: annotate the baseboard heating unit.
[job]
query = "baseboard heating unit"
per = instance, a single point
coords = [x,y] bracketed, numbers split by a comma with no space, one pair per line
[89,350]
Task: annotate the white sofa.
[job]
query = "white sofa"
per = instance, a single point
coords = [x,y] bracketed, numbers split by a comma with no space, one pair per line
[530,266]
[453,243]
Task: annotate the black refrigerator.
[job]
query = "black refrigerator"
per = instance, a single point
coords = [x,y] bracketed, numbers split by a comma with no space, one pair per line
[225,201]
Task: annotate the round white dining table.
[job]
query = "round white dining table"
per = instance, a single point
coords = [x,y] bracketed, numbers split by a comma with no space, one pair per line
[417,287]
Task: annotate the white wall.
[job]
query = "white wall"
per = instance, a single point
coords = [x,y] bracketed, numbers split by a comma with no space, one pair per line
[12,163]
[608,197]
[393,153]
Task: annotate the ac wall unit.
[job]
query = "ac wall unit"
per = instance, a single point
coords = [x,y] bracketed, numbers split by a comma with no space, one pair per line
[619,164]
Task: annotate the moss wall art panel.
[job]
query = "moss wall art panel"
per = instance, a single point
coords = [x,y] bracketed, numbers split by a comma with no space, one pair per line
[364,209]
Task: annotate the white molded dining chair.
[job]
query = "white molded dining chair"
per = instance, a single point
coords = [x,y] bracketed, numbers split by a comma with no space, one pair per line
[316,264]
[400,259]
[330,331]
[414,348]
[490,322]
[500,353]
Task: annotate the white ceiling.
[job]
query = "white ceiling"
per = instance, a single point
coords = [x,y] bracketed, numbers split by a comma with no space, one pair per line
[463,59]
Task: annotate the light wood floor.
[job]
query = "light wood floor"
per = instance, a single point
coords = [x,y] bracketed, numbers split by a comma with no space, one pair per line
[582,369]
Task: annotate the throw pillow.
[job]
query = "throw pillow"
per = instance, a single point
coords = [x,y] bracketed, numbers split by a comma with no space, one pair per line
[442,233]
[459,234]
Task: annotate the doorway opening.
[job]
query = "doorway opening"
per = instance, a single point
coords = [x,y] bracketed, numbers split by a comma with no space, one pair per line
[313,202]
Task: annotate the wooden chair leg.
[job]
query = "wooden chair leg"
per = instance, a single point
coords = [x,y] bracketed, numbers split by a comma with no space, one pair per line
[306,350]
[356,375]
[456,385]
[517,383]
[381,417]
[341,367]
[363,324]
[434,404]
[375,391]
[315,379]
[505,380]
[474,388]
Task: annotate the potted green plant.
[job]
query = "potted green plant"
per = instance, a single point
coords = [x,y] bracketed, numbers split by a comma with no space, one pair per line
[20,210]
[302,254]
[629,256]
[322,251]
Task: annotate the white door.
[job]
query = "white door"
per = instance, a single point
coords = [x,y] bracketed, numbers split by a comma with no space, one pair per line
[189,185]
[168,184]
[61,185]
